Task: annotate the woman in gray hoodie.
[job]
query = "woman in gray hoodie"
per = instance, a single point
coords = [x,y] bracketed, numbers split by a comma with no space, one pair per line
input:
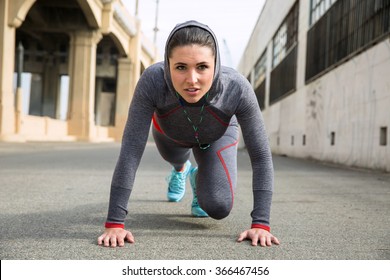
[194,104]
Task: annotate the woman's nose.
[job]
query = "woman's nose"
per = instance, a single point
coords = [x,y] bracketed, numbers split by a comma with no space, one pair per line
[192,77]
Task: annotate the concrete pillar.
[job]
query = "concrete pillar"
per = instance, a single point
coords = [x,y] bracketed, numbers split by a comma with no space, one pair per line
[128,74]
[135,55]
[36,95]
[50,89]
[7,57]
[123,95]
[19,110]
[82,68]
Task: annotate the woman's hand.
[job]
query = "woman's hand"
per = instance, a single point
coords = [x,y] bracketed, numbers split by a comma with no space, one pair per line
[258,235]
[115,237]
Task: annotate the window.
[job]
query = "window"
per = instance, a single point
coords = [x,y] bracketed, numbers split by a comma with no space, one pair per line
[260,69]
[284,58]
[280,41]
[347,28]
[318,9]
[260,75]
[383,136]
[286,36]
[260,95]
[332,138]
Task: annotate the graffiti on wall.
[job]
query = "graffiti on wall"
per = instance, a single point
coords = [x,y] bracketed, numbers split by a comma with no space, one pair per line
[314,115]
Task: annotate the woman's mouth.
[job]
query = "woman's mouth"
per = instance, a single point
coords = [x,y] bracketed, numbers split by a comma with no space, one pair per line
[192,91]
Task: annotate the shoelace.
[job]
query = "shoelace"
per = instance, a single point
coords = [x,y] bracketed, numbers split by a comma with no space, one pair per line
[175,184]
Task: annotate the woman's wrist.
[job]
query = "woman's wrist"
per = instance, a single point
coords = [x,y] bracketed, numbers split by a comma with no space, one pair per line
[265,227]
[114,225]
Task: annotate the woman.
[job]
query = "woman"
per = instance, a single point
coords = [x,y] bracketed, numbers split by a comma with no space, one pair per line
[194,104]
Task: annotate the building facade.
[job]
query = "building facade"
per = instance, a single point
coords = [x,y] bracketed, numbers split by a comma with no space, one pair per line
[320,70]
[68,69]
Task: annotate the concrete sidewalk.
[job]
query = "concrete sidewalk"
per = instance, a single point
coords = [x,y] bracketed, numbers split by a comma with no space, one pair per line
[54,199]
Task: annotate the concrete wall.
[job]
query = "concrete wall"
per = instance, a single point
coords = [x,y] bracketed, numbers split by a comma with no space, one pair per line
[351,101]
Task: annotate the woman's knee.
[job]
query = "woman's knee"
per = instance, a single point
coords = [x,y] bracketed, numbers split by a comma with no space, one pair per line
[217,209]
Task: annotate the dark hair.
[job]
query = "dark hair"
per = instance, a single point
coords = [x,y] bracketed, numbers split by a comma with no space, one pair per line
[191,35]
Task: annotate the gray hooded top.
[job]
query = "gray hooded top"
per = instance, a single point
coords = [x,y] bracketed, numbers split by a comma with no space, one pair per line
[230,99]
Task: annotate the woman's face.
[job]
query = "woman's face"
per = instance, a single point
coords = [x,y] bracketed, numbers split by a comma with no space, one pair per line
[192,71]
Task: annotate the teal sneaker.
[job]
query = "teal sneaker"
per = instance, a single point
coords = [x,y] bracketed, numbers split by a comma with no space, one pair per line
[177,183]
[196,211]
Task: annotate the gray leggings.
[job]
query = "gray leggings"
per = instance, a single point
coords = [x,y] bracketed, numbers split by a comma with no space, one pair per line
[217,169]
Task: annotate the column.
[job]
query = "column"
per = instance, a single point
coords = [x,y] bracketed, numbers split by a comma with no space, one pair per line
[82,84]
[51,88]
[7,55]
[124,95]
[135,56]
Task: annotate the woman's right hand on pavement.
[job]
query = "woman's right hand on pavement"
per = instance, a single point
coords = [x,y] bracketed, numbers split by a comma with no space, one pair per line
[113,237]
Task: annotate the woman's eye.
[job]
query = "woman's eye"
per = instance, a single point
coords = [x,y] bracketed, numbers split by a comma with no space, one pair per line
[180,67]
[202,67]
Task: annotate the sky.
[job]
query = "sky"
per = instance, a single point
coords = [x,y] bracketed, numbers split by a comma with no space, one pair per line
[231,20]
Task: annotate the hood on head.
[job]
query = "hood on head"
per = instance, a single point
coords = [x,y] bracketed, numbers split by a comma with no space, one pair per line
[217,56]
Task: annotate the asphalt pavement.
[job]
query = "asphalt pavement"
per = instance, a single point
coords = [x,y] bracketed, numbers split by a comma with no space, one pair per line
[54,199]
